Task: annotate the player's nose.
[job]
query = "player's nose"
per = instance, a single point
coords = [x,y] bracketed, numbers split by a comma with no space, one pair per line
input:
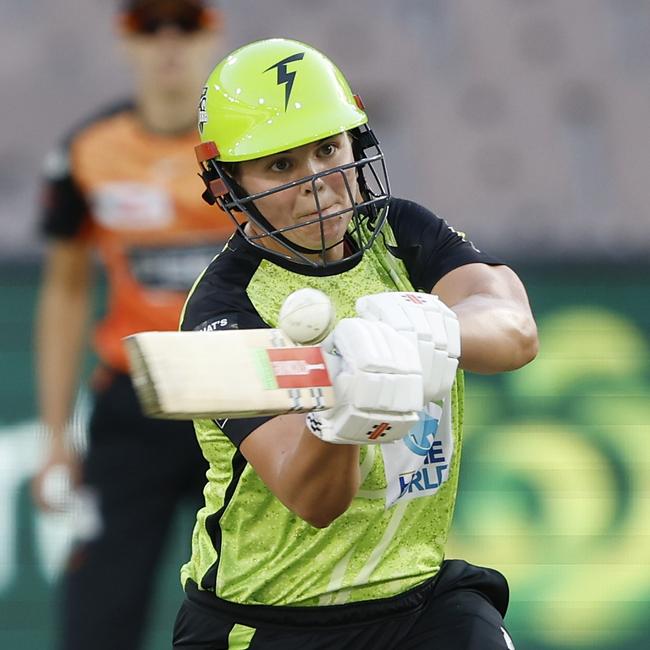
[314,184]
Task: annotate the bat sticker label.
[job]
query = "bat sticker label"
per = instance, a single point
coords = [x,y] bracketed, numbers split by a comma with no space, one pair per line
[298,367]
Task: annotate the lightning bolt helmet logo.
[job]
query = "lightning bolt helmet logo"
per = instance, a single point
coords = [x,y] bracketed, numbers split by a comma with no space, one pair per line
[284,76]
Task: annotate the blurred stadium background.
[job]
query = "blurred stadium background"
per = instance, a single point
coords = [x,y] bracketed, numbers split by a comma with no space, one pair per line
[521,122]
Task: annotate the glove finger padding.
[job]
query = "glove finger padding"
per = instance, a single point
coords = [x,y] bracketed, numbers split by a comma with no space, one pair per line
[377,378]
[372,347]
[380,369]
[440,372]
[424,317]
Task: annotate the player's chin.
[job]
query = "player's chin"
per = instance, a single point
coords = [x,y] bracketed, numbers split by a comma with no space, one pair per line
[332,232]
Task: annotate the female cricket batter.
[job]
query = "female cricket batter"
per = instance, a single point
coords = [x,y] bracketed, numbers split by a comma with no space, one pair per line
[312,535]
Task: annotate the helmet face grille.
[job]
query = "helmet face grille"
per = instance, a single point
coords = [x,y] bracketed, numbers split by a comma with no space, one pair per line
[367,212]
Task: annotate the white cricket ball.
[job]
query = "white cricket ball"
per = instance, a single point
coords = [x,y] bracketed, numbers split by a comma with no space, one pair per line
[307,316]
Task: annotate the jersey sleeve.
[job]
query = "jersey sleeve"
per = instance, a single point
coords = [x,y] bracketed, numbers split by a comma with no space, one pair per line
[63,207]
[429,247]
[213,308]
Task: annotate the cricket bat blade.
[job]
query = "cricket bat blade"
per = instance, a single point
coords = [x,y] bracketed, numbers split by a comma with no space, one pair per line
[228,374]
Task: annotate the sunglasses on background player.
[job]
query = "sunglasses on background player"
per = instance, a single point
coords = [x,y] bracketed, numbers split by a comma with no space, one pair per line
[186,17]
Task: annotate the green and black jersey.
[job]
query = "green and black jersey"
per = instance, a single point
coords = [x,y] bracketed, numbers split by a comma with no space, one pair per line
[248,548]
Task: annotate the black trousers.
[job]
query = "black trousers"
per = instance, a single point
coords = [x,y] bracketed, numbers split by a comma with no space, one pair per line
[463,610]
[141,470]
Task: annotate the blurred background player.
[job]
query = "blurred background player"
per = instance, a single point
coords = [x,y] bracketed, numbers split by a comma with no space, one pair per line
[124,185]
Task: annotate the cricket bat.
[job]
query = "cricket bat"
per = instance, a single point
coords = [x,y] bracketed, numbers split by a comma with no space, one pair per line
[228,374]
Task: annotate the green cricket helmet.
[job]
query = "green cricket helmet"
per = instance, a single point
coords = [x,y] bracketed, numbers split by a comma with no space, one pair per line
[279,94]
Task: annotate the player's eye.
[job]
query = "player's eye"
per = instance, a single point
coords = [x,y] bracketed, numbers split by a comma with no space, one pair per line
[328,149]
[280,165]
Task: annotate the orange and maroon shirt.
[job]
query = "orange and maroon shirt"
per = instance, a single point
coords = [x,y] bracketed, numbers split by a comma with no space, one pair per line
[135,196]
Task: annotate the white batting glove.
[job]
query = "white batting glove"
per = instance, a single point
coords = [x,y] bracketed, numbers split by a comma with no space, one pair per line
[425,318]
[377,378]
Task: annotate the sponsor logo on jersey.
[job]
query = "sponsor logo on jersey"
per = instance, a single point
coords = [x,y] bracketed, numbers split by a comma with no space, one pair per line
[420,439]
[418,465]
[132,206]
[228,322]
[432,474]
[169,268]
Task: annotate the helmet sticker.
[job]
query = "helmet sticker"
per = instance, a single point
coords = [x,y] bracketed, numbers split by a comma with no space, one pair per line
[203,113]
[285,77]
